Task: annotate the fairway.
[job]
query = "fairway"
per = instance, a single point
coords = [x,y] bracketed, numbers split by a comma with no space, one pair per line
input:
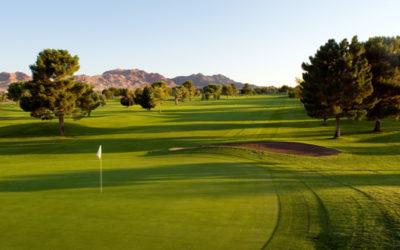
[199,197]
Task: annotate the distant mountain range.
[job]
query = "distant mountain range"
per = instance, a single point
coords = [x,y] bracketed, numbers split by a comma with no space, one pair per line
[123,78]
[7,78]
[201,80]
[127,78]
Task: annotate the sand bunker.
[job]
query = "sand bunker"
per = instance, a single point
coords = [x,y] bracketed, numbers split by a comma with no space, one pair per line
[292,148]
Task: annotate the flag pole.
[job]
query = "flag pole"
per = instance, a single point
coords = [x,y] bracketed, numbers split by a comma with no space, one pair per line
[101,175]
[101,169]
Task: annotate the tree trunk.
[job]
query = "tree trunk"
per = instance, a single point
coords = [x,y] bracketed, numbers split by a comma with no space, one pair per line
[88,113]
[325,121]
[378,125]
[337,130]
[61,123]
[176,100]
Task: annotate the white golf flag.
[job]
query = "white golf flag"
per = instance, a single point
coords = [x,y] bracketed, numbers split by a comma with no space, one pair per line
[99,152]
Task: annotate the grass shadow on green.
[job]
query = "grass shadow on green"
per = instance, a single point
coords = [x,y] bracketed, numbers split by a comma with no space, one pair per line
[48,128]
[215,178]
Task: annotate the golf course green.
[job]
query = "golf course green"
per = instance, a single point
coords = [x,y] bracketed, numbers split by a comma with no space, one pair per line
[198,197]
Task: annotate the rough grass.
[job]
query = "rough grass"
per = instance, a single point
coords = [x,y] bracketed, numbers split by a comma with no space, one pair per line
[204,198]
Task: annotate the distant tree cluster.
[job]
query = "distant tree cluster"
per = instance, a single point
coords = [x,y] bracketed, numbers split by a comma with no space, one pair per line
[156,94]
[211,91]
[112,92]
[214,91]
[353,79]
[229,90]
[186,90]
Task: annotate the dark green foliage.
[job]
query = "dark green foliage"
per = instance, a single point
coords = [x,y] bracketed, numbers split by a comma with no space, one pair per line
[235,90]
[138,93]
[159,84]
[115,91]
[112,92]
[383,53]
[211,90]
[246,90]
[146,98]
[336,81]
[270,90]
[294,92]
[127,101]
[258,90]
[189,85]
[52,92]
[53,66]
[89,100]
[128,97]
[107,93]
[198,92]
[228,90]
[15,90]
[284,89]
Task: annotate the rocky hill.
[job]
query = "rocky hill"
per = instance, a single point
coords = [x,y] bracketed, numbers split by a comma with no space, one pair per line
[201,80]
[7,78]
[127,78]
[123,78]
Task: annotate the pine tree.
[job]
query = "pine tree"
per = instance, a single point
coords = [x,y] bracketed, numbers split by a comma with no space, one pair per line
[52,92]
[89,100]
[383,53]
[14,91]
[146,98]
[336,81]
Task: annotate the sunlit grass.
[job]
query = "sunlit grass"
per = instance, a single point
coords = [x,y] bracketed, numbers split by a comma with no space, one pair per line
[203,198]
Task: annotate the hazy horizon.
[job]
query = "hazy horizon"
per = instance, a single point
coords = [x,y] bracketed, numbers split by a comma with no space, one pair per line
[259,42]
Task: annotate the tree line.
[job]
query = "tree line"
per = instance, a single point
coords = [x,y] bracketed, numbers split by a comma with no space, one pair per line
[53,92]
[158,92]
[354,80]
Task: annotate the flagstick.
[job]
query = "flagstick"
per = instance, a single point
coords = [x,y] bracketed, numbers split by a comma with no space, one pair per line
[101,169]
[101,176]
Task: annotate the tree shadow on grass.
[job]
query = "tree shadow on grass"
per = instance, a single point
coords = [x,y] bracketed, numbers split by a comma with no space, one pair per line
[232,172]
[220,180]
[386,150]
[206,178]
[46,128]
[83,146]
[383,137]
[228,114]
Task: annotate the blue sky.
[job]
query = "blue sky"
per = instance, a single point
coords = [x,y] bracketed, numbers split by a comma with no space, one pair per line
[260,42]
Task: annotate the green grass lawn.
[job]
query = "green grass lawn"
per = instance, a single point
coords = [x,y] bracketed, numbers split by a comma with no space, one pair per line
[203,198]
